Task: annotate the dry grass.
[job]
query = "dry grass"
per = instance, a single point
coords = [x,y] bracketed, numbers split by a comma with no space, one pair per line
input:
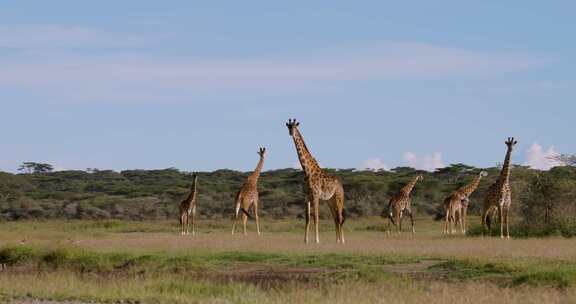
[285,238]
[170,289]
[162,236]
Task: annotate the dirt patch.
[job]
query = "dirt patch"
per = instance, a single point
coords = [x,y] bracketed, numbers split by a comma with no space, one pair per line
[268,276]
[35,301]
[412,268]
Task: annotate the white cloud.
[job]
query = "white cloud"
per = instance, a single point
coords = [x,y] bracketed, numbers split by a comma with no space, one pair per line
[127,75]
[538,158]
[36,37]
[426,162]
[374,164]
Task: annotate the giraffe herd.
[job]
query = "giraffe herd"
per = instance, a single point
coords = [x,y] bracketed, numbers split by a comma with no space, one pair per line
[320,186]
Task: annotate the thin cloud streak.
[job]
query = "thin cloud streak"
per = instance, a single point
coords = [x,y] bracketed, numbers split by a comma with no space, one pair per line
[135,77]
[43,37]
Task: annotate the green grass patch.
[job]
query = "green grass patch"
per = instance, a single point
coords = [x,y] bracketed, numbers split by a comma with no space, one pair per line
[468,270]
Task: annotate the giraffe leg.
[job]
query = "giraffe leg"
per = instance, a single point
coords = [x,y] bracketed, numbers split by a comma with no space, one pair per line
[256,217]
[506,213]
[489,219]
[399,218]
[340,212]
[334,213]
[185,219]
[465,219]
[389,228]
[460,220]
[307,215]
[501,215]
[341,218]
[187,227]
[236,215]
[336,204]
[454,220]
[451,221]
[316,203]
[445,225]
[396,220]
[244,223]
[411,219]
[236,218]
[181,225]
[485,224]
[194,221]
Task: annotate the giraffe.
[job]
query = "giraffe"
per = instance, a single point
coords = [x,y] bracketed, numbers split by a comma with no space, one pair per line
[188,209]
[499,196]
[457,205]
[318,186]
[400,203]
[247,196]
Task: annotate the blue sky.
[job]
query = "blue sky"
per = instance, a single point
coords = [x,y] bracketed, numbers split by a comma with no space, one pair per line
[200,86]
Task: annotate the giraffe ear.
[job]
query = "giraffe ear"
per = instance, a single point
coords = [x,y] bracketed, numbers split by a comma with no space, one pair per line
[297,124]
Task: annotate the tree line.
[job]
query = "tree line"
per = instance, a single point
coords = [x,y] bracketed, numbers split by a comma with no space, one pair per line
[544,202]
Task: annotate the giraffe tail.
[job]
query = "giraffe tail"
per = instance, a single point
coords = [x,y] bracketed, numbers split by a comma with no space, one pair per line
[391,217]
[239,208]
[342,217]
[246,212]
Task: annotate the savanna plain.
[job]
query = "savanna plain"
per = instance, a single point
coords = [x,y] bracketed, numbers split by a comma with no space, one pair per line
[112,261]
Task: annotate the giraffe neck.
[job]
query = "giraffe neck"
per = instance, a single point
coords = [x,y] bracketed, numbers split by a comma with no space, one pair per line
[408,188]
[253,178]
[471,187]
[505,173]
[192,195]
[309,164]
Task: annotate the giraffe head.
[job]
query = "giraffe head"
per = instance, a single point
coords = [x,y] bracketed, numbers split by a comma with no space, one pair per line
[261,152]
[483,173]
[510,142]
[194,175]
[292,124]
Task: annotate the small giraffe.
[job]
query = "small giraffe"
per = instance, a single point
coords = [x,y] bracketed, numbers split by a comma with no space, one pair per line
[188,209]
[248,196]
[499,196]
[456,205]
[401,202]
[319,186]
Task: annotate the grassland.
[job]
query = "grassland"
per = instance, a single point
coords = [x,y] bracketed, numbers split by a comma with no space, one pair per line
[148,262]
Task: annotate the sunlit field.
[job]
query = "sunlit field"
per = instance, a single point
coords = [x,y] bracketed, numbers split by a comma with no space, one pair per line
[149,262]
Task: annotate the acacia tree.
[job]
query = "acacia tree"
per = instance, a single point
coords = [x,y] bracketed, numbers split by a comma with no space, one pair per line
[34,167]
[566,159]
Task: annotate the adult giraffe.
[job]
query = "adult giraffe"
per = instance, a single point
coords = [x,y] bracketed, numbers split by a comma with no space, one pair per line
[319,186]
[499,196]
[247,196]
